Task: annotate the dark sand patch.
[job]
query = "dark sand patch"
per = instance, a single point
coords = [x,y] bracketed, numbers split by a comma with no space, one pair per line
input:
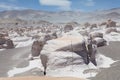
[13,58]
[32,72]
[112,73]
[113,50]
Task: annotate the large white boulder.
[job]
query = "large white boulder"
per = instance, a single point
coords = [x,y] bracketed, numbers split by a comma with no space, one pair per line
[57,56]
[59,60]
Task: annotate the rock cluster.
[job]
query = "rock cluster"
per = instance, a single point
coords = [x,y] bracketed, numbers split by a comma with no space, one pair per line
[5,42]
[111,23]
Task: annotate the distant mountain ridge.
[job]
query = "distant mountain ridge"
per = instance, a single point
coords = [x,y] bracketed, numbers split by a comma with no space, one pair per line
[63,16]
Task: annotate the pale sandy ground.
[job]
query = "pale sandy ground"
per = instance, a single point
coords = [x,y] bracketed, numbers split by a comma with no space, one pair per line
[39,78]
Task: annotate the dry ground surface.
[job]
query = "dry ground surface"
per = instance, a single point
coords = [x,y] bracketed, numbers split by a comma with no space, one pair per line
[8,60]
[40,78]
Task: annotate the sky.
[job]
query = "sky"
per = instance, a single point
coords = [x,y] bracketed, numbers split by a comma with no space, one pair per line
[59,5]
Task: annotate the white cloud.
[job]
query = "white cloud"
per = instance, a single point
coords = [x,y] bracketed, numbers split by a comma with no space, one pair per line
[13,0]
[62,4]
[88,2]
[4,6]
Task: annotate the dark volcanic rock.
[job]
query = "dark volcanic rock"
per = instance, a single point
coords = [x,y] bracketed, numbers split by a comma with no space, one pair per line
[9,44]
[86,24]
[111,23]
[36,48]
[100,42]
[68,28]
[93,26]
[2,41]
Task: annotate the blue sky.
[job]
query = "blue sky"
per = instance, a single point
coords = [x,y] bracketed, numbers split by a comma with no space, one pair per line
[59,5]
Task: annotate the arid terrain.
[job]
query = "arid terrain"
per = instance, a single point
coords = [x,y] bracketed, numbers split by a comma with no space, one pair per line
[70,45]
